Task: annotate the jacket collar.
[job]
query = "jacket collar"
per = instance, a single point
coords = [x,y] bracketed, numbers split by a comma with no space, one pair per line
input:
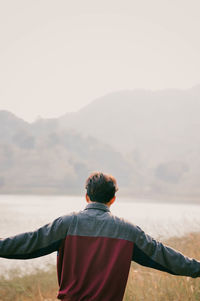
[98,206]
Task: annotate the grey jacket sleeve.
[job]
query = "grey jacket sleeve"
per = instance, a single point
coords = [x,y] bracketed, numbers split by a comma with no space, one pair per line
[38,243]
[151,253]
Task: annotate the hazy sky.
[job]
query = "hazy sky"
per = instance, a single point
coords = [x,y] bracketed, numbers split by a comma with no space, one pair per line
[57,56]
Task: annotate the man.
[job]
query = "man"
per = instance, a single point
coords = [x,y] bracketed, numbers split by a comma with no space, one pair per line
[95,248]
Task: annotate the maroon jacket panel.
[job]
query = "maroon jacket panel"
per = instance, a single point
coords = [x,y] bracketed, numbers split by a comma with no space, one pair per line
[100,264]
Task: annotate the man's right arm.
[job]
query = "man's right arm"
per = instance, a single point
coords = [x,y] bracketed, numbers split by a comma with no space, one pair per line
[43,241]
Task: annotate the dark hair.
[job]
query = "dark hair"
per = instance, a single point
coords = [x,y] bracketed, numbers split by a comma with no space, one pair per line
[101,187]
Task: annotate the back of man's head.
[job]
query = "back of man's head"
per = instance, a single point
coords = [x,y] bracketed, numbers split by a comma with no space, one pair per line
[101,187]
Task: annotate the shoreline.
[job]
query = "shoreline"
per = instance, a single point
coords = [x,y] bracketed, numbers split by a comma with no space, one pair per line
[128,198]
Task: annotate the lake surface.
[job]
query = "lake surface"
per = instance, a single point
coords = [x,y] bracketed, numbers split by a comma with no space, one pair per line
[26,213]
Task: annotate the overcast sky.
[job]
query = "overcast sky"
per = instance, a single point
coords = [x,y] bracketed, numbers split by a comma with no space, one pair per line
[57,56]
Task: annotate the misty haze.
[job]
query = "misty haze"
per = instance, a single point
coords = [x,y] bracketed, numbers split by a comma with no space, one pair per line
[149,140]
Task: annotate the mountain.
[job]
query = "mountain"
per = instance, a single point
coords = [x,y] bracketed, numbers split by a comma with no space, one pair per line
[9,125]
[149,140]
[157,131]
[140,119]
[40,158]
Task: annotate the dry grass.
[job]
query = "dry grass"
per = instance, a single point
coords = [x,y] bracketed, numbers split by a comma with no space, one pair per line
[40,286]
[144,284]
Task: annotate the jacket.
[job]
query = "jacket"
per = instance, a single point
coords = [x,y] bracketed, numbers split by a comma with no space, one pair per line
[95,250]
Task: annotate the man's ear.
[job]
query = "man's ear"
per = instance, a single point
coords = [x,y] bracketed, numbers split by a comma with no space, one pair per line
[87,198]
[112,200]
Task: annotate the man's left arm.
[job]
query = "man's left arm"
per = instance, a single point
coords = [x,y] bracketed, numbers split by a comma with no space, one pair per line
[151,253]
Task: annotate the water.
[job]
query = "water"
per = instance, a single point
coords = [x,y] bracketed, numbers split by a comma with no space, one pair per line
[27,213]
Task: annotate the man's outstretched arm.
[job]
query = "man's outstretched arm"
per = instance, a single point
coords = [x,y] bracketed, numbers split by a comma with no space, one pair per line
[38,243]
[154,254]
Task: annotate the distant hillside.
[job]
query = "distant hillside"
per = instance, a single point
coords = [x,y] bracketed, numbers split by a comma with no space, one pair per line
[40,158]
[157,130]
[141,119]
[9,125]
[149,140]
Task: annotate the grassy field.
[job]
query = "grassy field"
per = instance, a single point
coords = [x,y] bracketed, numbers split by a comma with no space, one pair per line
[144,284]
